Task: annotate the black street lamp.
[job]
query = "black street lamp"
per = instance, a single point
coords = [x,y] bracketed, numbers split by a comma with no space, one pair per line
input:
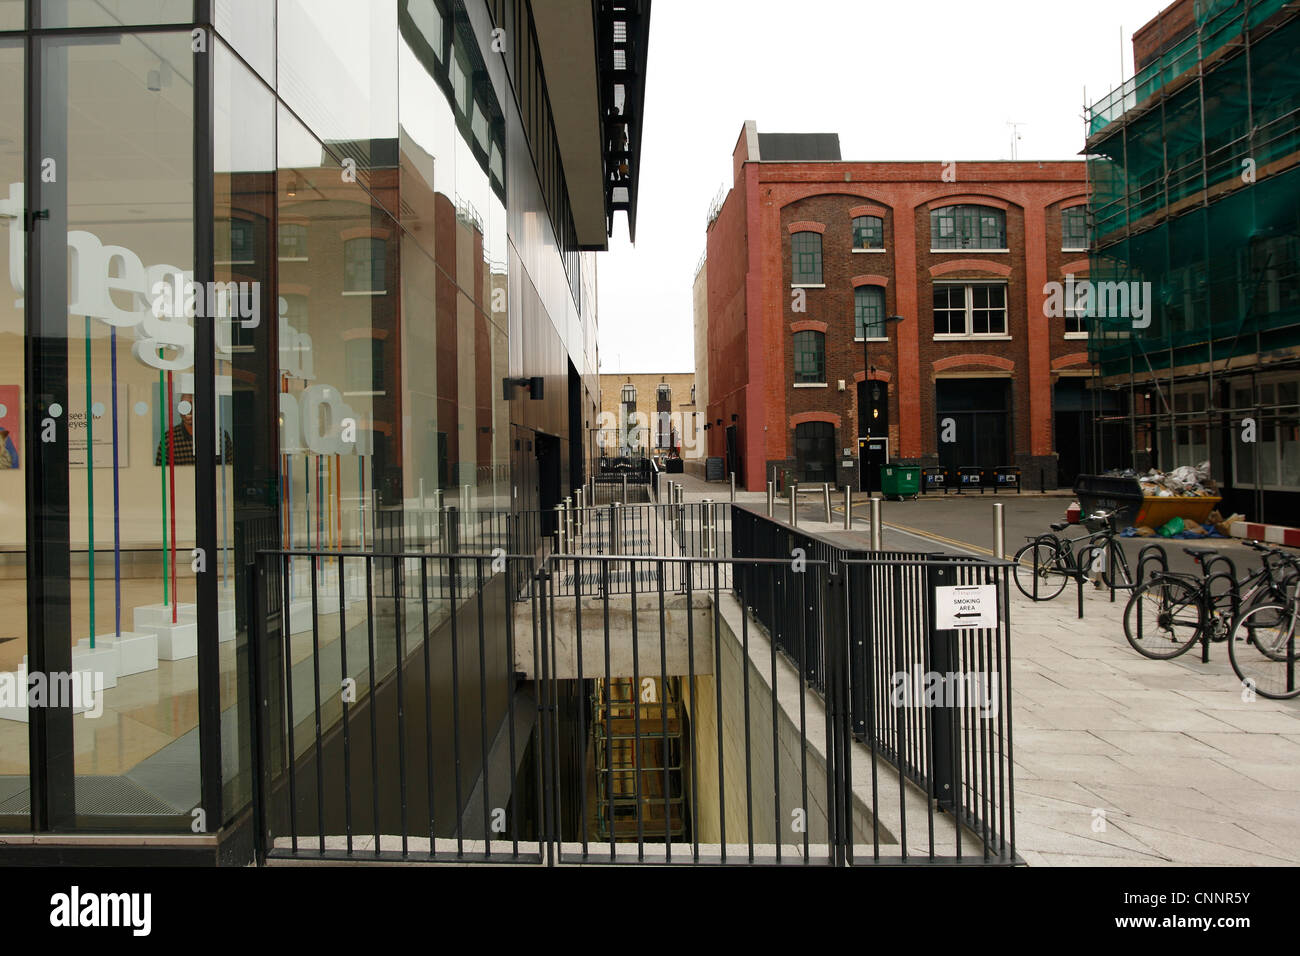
[873,392]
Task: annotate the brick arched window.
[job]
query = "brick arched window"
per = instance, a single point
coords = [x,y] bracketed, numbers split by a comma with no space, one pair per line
[868,232]
[968,227]
[809,358]
[806,258]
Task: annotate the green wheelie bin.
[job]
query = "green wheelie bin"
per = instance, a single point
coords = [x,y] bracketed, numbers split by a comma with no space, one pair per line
[900,481]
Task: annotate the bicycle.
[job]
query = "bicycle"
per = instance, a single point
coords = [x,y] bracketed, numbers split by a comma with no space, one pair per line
[1263,646]
[1049,561]
[1171,611]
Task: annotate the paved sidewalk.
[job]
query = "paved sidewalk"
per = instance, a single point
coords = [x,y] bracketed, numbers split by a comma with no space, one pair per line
[1125,760]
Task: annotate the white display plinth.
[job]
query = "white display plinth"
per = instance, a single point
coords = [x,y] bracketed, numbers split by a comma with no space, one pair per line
[176,642]
[148,615]
[137,651]
[102,660]
[327,584]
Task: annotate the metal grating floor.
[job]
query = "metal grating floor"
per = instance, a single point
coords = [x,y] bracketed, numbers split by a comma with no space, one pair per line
[592,581]
[102,796]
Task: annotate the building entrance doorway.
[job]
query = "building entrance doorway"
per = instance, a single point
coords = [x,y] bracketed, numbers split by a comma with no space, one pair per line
[548,480]
[733,455]
[973,422]
[1078,444]
[814,451]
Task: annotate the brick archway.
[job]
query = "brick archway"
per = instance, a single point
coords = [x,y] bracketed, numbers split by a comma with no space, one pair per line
[961,361]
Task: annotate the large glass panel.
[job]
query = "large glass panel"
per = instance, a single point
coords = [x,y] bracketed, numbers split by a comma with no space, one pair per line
[117,117]
[13,512]
[454,272]
[337,70]
[12,16]
[112,13]
[249,27]
[340,415]
[248,373]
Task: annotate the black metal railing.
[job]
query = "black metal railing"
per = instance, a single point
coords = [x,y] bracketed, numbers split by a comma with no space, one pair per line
[391,727]
[896,653]
[746,707]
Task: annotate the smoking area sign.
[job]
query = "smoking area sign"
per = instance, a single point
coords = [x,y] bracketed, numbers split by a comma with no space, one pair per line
[966,606]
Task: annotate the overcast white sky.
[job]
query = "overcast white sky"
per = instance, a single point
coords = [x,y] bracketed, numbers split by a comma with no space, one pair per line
[896,79]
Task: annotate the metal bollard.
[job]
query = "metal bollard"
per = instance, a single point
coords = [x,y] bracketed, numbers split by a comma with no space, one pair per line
[826,492]
[877,532]
[625,489]
[465,499]
[771,499]
[568,521]
[706,525]
[733,487]
[452,529]
[615,528]
[794,504]
[848,508]
[999,532]
[559,529]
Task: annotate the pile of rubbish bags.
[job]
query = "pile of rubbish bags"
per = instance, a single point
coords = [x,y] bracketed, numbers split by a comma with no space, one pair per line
[1190,481]
[1179,528]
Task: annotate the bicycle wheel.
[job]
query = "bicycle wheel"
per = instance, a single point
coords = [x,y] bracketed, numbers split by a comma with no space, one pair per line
[1264,649]
[1040,570]
[1164,617]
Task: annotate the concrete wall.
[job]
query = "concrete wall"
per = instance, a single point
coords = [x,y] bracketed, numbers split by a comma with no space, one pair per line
[776,778]
[676,656]
[700,314]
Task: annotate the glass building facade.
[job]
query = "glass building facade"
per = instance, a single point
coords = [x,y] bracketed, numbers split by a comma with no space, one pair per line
[270,262]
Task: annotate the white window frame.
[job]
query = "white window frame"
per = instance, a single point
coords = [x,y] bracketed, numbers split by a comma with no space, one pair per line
[1064,247]
[1239,447]
[1075,313]
[968,335]
[1175,459]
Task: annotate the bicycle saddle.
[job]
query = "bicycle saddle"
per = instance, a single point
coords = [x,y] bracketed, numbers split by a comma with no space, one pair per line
[1060,525]
[1199,553]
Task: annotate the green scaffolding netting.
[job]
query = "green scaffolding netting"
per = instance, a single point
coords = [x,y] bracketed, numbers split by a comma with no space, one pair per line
[1224,281]
[1218,22]
[1242,115]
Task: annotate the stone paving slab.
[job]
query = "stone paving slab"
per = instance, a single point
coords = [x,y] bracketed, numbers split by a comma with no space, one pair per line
[1185,771]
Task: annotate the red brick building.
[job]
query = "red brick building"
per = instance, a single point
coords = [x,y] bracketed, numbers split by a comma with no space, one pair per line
[808,255]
